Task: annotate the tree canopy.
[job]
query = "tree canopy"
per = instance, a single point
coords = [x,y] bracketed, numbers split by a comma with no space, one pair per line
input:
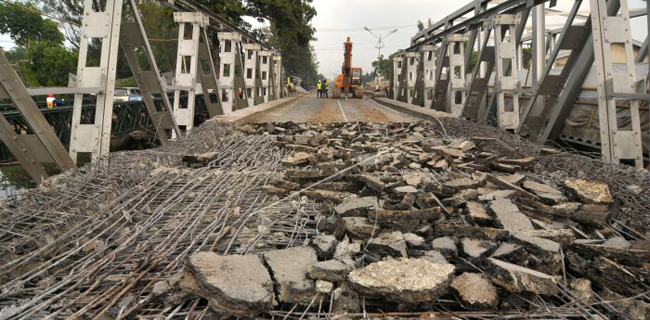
[40,56]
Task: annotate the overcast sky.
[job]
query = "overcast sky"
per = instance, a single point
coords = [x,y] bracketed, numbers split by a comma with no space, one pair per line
[338,19]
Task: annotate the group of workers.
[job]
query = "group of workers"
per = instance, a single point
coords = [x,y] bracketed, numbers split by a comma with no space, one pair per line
[322,88]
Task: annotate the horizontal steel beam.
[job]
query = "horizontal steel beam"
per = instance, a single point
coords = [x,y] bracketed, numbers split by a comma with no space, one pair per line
[510,6]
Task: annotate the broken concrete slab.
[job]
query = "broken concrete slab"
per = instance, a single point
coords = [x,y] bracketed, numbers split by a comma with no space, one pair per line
[548,194]
[331,270]
[413,240]
[434,256]
[446,245]
[357,206]
[397,216]
[548,258]
[510,252]
[458,230]
[475,290]
[460,198]
[324,287]
[515,278]
[509,217]
[589,214]
[297,158]
[463,183]
[581,289]
[388,244]
[476,249]
[325,245]
[237,284]
[370,181]
[591,192]
[405,280]
[292,280]
[477,213]
[562,236]
[617,243]
[335,197]
[345,300]
[358,227]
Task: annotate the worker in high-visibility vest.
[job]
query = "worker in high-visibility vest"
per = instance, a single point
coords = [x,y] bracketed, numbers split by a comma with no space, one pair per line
[50,101]
[319,88]
[326,89]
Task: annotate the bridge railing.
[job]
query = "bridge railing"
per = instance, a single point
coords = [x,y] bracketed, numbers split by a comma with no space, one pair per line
[127,117]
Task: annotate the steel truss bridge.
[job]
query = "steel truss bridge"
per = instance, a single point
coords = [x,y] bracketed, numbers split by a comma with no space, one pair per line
[594,41]
[234,71]
[590,46]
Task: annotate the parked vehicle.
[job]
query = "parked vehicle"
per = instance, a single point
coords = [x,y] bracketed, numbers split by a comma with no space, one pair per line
[127,94]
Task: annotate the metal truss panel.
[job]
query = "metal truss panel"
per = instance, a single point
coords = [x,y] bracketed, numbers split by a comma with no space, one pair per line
[411,59]
[506,81]
[429,74]
[41,146]
[617,143]
[251,71]
[187,65]
[265,69]
[227,60]
[133,38]
[102,76]
[456,93]
[209,79]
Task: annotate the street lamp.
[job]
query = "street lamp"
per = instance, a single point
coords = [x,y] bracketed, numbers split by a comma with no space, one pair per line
[380,41]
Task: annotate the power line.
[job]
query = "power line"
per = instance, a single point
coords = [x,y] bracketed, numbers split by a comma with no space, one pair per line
[361,29]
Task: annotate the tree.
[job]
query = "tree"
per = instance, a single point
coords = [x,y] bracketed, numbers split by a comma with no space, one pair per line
[25,25]
[39,56]
[385,66]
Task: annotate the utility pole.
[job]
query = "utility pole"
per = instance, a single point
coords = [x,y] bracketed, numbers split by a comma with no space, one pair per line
[380,41]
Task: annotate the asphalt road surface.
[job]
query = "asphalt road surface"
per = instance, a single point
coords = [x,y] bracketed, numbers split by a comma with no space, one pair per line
[312,109]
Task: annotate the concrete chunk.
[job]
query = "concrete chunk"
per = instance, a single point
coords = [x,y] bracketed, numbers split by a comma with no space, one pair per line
[237,284]
[290,268]
[388,244]
[516,278]
[548,194]
[476,249]
[406,280]
[592,192]
[357,206]
[331,270]
[325,245]
[475,290]
[509,217]
[477,213]
[358,227]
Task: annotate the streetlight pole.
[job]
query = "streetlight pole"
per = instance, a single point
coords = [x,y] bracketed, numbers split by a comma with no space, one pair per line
[380,41]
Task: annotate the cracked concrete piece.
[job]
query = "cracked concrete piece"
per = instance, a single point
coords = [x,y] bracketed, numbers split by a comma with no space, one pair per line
[477,213]
[475,290]
[357,206]
[547,193]
[515,278]
[358,227]
[290,268]
[509,217]
[325,245]
[446,245]
[592,192]
[331,270]
[388,244]
[405,280]
[238,284]
[476,249]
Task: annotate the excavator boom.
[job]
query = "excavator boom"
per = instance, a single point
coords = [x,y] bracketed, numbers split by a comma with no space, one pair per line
[349,80]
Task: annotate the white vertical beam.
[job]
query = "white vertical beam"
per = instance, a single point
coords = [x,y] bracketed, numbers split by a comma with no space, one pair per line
[228,46]
[104,25]
[250,70]
[187,63]
[539,53]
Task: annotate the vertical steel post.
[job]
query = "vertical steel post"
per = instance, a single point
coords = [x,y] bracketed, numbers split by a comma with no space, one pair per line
[103,25]
[507,81]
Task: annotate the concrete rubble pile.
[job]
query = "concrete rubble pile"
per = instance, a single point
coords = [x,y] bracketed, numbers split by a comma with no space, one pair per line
[414,221]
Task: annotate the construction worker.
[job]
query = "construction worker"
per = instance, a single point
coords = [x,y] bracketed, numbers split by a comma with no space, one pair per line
[319,89]
[51,100]
[325,89]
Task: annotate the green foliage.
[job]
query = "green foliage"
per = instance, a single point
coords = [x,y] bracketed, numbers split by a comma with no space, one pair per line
[290,30]
[39,57]
[384,66]
[48,65]
[25,25]
[159,23]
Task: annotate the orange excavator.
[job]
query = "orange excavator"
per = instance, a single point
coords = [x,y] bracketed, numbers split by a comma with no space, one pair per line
[349,81]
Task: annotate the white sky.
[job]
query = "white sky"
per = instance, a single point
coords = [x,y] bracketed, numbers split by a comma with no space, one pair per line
[338,19]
